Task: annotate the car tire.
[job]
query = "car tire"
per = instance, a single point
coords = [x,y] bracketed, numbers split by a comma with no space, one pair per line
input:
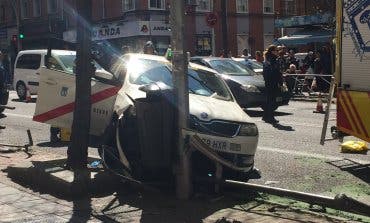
[21,90]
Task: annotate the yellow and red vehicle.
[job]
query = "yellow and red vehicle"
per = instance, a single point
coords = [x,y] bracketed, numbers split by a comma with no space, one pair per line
[353,68]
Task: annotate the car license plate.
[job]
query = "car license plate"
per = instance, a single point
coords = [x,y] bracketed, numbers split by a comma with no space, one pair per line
[279,99]
[217,145]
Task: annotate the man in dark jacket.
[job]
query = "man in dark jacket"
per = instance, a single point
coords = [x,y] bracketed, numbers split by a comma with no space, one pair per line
[4,95]
[273,81]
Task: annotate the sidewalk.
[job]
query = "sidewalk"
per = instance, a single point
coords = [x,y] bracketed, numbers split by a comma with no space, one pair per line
[129,204]
[19,206]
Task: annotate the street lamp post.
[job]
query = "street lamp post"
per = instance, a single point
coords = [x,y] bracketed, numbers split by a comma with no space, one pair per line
[180,70]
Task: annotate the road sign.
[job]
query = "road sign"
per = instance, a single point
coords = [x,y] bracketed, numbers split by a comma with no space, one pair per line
[211,19]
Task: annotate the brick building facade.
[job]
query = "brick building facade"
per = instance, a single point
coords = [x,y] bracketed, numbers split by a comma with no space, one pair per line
[250,23]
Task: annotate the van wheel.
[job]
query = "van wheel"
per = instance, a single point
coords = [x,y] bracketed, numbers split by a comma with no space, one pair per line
[21,90]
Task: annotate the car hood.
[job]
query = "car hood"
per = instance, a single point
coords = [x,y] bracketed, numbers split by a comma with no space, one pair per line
[255,80]
[207,109]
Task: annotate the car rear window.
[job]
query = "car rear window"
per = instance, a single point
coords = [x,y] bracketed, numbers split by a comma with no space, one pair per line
[29,61]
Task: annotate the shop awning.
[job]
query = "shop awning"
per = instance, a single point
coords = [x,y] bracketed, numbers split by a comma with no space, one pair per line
[307,36]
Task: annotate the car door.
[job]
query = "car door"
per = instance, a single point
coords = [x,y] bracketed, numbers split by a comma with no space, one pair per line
[28,70]
[55,102]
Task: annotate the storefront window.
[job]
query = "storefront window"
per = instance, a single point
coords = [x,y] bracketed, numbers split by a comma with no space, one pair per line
[289,7]
[241,6]
[203,6]
[156,4]
[268,6]
[128,5]
[204,45]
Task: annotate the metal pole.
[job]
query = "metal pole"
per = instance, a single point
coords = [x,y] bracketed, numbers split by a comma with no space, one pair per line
[180,70]
[14,4]
[224,27]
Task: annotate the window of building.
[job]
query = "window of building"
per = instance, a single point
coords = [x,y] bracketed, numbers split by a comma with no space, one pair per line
[24,9]
[204,45]
[203,6]
[36,8]
[156,4]
[268,6]
[242,41]
[128,5]
[241,6]
[52,6]
[289,7]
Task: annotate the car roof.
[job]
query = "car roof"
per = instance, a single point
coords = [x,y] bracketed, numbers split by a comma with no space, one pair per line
[210,58]
[44,51]
[163,59]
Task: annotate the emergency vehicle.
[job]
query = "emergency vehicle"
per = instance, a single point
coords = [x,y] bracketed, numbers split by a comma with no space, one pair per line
[353,68]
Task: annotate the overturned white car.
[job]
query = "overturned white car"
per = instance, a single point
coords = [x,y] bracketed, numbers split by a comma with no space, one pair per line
[131,113]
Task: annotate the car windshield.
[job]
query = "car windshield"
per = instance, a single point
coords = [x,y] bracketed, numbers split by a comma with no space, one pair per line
[255,65]
[201,82]
[68,60]
[230,67]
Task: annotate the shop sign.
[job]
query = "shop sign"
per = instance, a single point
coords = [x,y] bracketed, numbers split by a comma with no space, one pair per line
[120,29]
[124,29]
[160,28]
[295,21]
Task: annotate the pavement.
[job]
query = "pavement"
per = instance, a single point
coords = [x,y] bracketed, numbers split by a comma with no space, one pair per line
[289,156]
[26,202]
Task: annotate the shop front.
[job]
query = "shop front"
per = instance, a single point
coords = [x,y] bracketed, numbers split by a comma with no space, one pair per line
[130,33]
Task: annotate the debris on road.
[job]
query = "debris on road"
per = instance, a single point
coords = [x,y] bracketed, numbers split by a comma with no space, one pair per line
[354,147]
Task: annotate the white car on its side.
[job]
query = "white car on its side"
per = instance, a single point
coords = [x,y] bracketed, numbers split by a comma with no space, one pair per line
[214,114]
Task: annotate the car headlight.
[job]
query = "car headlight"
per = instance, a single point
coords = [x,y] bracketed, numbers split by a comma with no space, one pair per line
[249,88]
[248,129]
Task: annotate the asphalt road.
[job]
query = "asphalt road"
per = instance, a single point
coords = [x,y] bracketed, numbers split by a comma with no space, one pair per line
[288,156]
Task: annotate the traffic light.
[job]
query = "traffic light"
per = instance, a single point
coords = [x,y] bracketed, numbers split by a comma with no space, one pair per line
[21,36]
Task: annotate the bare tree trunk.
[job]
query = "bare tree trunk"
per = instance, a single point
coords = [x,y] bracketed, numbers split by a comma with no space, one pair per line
[77,151]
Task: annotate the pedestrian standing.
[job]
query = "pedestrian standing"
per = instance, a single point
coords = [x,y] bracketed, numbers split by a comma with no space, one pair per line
[259,56]
[4,76]
[246,54]
[273,81]
[149,48]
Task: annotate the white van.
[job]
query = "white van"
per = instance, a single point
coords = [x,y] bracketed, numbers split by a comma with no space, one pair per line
[28,64]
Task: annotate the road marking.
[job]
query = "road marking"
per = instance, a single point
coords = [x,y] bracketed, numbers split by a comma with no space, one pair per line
[306,154]
[296,124]
[18,115]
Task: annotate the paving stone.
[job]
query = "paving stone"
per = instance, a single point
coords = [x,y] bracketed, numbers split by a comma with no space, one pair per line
[42,219]
[51,208]
[12,217]
[8,190]
[21,197]
[8,209]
